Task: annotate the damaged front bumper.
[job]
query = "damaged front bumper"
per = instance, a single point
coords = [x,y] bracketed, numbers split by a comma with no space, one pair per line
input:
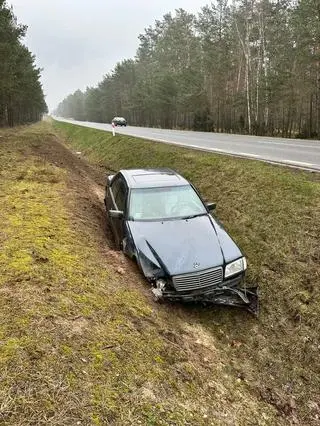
[228,293]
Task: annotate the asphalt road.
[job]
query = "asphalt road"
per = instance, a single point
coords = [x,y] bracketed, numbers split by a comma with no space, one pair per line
[298,153]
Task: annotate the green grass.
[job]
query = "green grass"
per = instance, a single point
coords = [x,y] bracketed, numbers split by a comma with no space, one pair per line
[274,215]
[80,343]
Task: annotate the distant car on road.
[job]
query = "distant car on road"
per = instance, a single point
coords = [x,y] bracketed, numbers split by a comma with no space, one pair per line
[119,121]
[160,220]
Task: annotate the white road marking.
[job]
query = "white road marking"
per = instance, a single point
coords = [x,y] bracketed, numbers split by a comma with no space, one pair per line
[219,150]
[245,154]
[299,163]
[293,145]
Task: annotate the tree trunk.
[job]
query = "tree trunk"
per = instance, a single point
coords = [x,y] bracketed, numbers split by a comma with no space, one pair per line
[311,116]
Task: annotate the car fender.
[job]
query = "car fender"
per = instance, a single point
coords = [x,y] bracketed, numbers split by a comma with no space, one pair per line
[141,250]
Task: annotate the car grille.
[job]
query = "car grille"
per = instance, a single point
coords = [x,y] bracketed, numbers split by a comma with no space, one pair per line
[198,280]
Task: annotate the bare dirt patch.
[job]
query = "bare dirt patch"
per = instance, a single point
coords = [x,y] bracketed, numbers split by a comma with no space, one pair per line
[87,183]
[84,180]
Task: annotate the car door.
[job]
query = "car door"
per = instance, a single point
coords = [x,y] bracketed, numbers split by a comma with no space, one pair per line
[116,200]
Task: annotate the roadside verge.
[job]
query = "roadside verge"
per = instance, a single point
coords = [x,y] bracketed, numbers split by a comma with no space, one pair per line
[274,215]
[81,343]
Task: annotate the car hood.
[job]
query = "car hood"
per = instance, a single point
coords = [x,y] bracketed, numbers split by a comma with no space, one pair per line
[183,246]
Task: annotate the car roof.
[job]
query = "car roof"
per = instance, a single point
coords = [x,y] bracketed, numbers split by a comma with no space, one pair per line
[151,178]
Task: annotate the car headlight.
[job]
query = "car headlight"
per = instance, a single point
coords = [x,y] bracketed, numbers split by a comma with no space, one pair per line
[235,267]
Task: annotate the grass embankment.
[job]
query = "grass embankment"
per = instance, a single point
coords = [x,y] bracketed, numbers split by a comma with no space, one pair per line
[274,215]
[79,344]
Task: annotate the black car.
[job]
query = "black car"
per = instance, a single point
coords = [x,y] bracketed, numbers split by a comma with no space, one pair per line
[119,121]
[159,219]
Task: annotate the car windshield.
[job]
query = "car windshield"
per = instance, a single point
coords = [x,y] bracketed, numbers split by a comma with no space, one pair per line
[165,203]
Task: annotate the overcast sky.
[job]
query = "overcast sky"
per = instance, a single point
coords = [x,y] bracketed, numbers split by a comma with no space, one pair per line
[76,42]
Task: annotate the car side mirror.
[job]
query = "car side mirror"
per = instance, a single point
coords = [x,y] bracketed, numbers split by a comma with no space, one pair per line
[109,179]
[211,206]
[117,214]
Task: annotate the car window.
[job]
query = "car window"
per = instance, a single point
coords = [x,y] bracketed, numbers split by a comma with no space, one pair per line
[120,196]
[115,186]
[165,203]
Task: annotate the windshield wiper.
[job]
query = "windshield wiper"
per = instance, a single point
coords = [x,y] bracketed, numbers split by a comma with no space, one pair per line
[194,215]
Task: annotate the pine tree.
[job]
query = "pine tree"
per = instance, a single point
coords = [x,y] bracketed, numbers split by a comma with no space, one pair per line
[21,95]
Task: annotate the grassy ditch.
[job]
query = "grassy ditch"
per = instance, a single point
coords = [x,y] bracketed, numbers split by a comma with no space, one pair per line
[274,215]
[80,342]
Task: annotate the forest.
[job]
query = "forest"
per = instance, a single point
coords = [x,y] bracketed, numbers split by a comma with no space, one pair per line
[250,66]
[21,95]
